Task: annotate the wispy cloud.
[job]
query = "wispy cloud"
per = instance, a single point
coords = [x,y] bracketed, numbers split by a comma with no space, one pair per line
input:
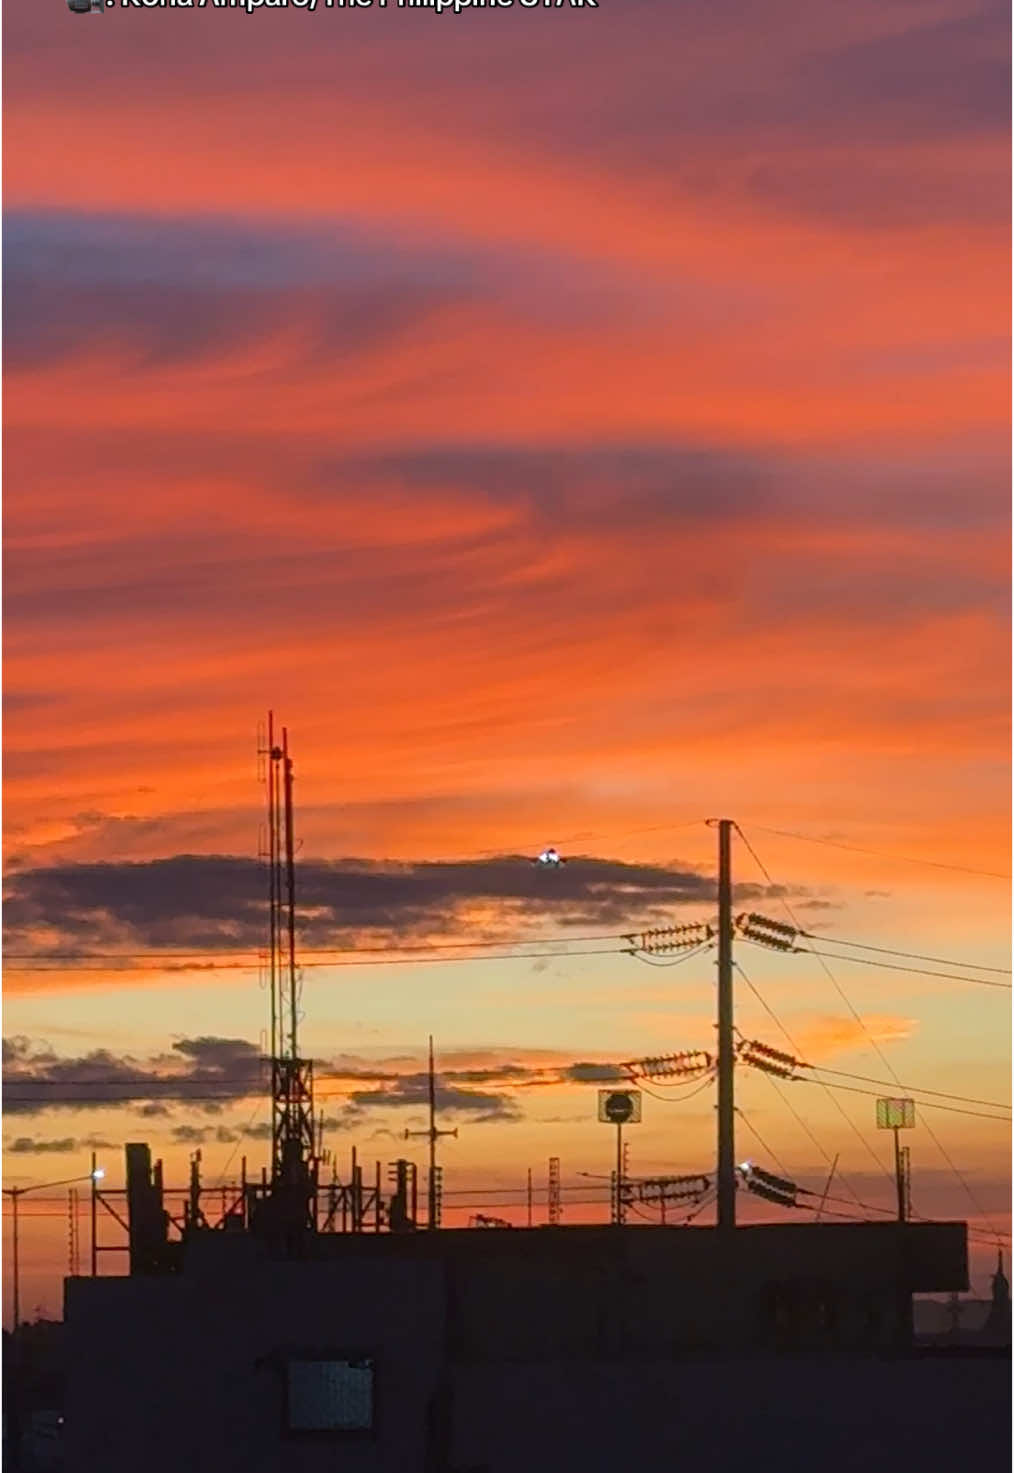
[25,1145]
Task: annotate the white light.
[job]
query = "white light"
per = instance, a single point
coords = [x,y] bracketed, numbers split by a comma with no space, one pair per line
[98,1174]
[746,1167]
[549,856]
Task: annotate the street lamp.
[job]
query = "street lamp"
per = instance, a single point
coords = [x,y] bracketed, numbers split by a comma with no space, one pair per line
[15,1194]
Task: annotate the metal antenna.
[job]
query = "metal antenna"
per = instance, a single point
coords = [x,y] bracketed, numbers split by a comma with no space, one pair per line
[434,1185]
[293,1138]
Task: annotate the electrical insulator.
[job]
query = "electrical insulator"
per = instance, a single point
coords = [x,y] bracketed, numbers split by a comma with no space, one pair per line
[771,1194]
[691,1061]
[770,925]
[776,1183]
[767,932]
[769,1067]
[770,1060]
[655,1189]
[765,1184]
[671,938]
[771,1053]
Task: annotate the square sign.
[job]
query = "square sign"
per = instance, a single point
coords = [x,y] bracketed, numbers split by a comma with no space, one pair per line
[895,1114]
[620,1106]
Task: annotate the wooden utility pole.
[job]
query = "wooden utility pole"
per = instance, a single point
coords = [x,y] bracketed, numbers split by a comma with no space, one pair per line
[726,1053]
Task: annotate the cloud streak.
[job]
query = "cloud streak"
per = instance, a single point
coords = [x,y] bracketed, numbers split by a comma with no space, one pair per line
[216,903]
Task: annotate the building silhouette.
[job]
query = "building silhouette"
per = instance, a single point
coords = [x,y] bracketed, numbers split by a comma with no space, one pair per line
[551,1348]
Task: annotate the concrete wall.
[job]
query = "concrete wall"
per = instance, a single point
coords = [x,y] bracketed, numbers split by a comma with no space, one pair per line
[502,1351]
[179,1375]
[832,1414]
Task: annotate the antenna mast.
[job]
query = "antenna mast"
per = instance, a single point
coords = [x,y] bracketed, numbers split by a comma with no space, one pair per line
[435,1183]
[293,1140]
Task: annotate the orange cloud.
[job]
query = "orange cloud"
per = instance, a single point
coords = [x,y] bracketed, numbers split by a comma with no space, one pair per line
[822,1037]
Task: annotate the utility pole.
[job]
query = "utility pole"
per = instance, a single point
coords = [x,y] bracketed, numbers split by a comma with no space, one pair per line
[619,1205]
[94,1216]
[898,1115]
[901,1175]
[726,1049]
[15,1194]
[73,1239]
[433,1194]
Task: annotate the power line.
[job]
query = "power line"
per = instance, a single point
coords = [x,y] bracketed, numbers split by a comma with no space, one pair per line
[679,1099]
[394,961]
[255,952]
[803,1126]
[837,1103]
[912,1088]
[944,961]
[761,1142]
[925,1104]
[480,1197]
[863,961]
[881,854]
[675,961]
[873,1043]
[38,1103]
[180,1092]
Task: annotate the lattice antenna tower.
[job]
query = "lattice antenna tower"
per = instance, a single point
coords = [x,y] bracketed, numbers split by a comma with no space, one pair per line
[293,1139]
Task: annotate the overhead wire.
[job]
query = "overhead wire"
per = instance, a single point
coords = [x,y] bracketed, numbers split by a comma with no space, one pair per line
[681,1099]
[675,961]
[924,1104]
[809,1133]
[859,1019]
[386,961]
[865,961]
[912,1088]
[355,957]
[706,1201]
[208,961]
[882,854]
[837,1103]
[771,1154]
[943,961]
[256,952]
[243,1132]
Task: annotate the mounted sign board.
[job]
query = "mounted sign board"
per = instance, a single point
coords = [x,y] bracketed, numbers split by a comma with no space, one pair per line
[620,1106]
[895,1114]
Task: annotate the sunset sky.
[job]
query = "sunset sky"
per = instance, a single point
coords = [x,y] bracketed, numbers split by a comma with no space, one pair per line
[576,424]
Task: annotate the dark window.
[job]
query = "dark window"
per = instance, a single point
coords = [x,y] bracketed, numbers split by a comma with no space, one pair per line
[328,1395]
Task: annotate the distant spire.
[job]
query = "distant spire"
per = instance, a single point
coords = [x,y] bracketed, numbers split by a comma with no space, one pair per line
[998,1321]
[1001,1285]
